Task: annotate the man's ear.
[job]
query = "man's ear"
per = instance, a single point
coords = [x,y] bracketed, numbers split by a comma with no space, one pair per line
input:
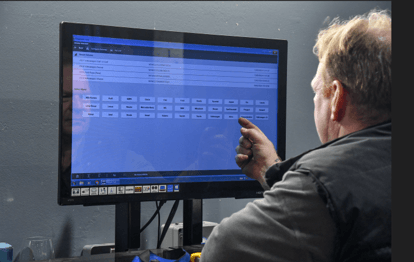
[339,101]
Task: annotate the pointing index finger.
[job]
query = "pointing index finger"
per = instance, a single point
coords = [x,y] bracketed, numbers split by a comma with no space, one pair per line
[250,131]
[246,123]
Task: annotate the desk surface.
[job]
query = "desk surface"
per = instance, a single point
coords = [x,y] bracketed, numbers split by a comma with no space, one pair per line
[118,257]
[124,256]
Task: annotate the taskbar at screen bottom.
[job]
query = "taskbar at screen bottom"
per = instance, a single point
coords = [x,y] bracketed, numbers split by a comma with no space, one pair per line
[156,180]
[133,178]
[95,188]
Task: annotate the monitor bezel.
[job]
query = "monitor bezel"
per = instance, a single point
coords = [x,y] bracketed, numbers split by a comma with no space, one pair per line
[239,189]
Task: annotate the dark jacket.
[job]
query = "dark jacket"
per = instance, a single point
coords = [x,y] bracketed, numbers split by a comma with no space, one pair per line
[353,177]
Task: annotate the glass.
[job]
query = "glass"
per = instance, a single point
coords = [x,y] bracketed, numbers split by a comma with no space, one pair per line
[37,248]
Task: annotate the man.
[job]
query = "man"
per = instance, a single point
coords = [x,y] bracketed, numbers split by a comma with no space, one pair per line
[331,203]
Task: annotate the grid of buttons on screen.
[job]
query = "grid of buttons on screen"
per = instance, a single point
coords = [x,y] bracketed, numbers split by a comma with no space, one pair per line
[215,110]
[121,190]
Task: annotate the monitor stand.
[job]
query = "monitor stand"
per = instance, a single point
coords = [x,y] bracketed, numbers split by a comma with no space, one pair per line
[127,226]
[192,222]
[128,222]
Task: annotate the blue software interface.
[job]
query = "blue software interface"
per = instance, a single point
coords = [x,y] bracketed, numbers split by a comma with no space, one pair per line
[148,112]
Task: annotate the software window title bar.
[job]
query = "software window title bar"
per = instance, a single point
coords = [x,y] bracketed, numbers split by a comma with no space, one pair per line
[158,44]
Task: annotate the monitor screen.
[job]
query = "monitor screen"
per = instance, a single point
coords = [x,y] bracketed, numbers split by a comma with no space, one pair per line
[153,115]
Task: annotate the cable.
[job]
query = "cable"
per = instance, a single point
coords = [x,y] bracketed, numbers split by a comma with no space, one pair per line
[162,202]
[159,223]
[167,224]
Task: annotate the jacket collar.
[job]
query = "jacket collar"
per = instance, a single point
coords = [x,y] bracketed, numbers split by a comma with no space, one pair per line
[275,173]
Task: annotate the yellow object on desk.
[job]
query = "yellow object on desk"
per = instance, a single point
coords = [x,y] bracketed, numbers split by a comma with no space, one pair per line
[195,257]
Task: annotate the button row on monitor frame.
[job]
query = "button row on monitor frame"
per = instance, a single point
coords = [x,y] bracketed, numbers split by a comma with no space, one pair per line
[121,190]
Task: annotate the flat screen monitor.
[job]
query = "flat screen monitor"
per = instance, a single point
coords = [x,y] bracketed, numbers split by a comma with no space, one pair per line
[149,115]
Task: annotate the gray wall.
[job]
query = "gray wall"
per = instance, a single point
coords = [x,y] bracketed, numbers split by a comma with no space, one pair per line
[29,101]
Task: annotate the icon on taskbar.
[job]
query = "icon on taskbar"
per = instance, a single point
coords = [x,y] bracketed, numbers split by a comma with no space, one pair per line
[146,189]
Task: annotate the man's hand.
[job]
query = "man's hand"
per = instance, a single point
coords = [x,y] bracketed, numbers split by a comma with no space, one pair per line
[255,152]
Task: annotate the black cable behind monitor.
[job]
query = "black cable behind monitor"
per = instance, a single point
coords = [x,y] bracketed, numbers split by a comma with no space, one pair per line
[168,223]
[153,216]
